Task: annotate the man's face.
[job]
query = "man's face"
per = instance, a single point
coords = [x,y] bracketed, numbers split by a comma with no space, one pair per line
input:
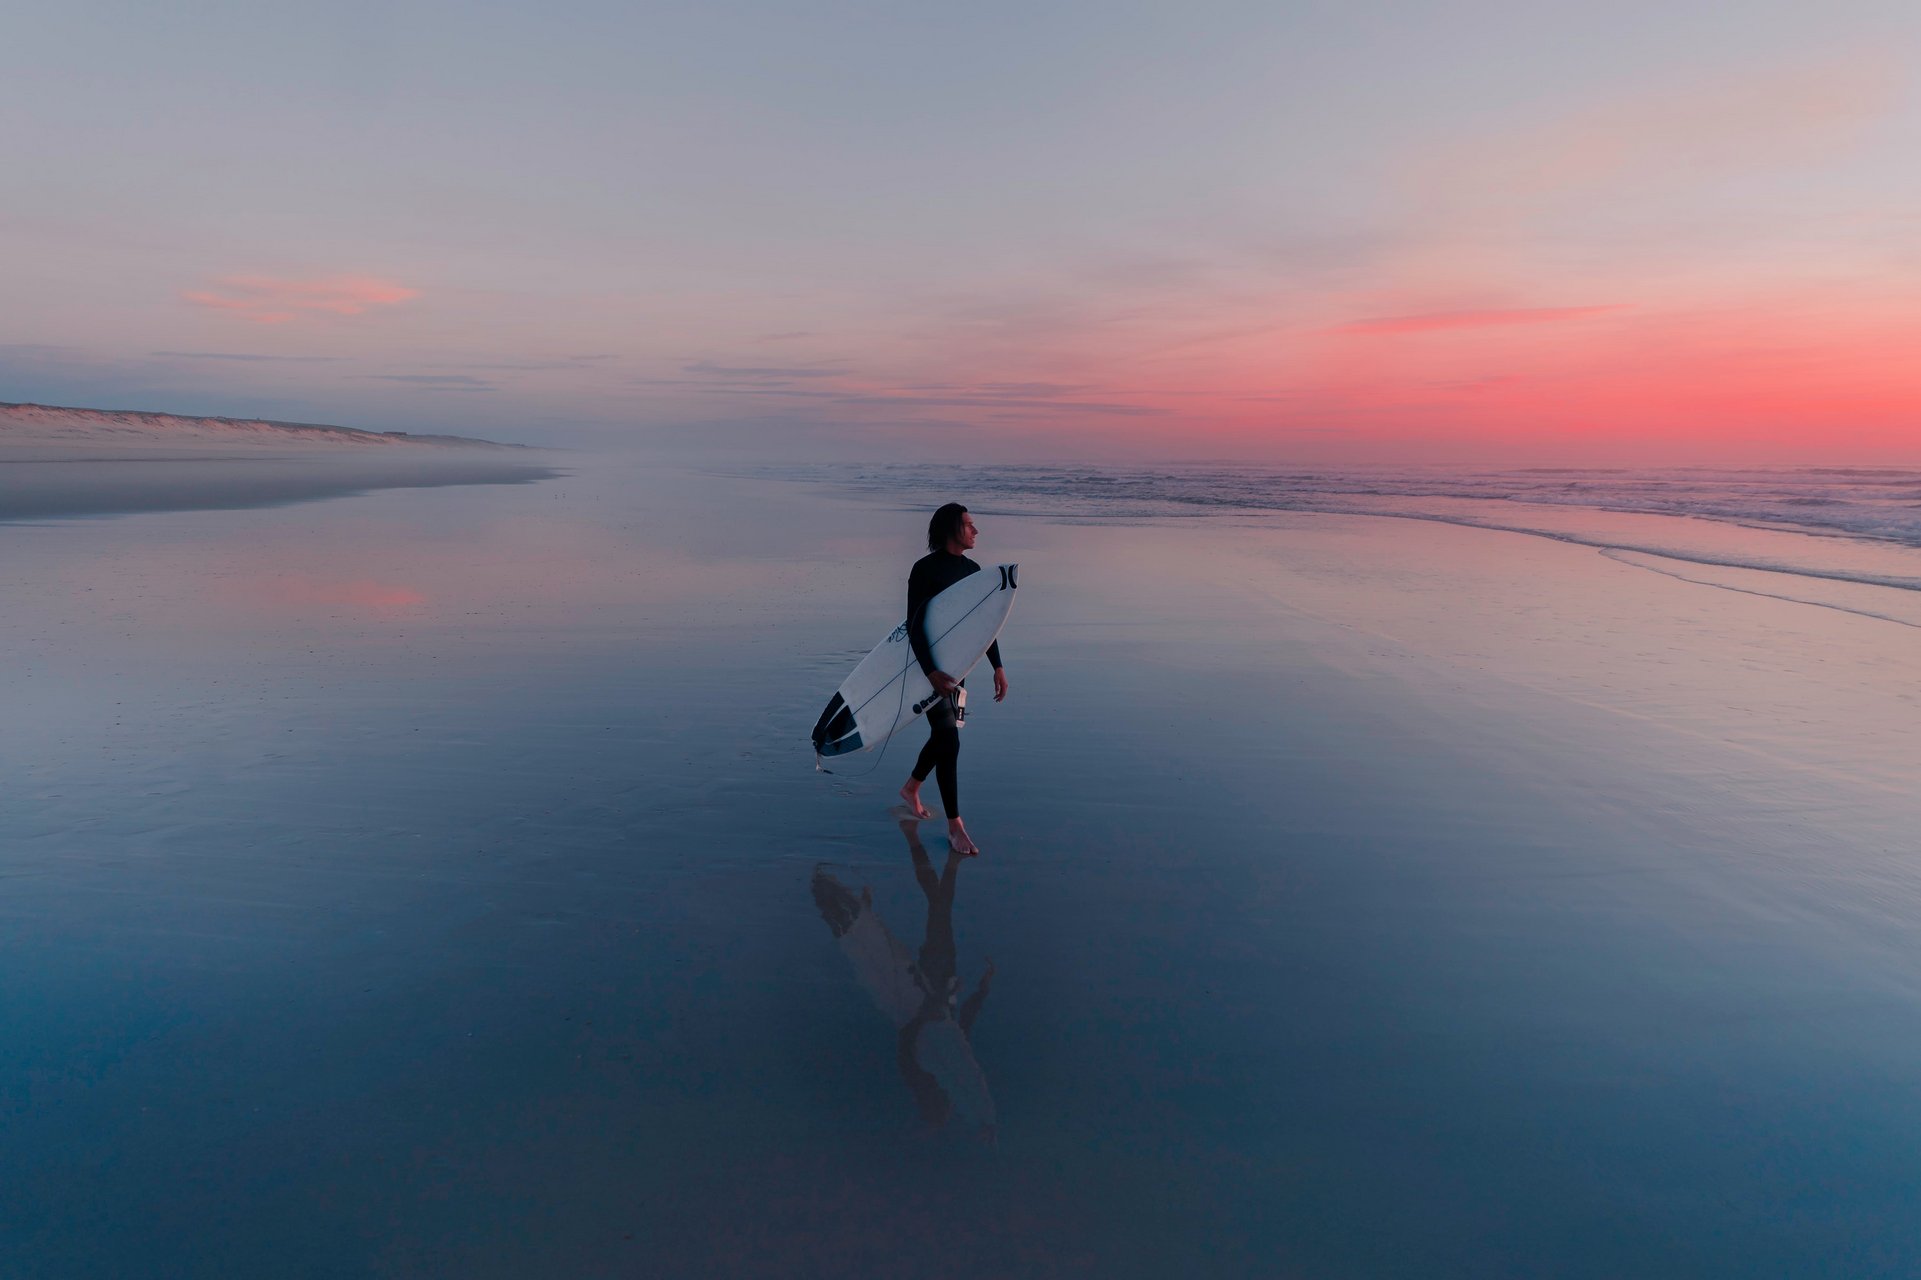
[967,533]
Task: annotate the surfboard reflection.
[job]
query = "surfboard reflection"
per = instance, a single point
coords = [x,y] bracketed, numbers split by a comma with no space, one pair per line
[919,993]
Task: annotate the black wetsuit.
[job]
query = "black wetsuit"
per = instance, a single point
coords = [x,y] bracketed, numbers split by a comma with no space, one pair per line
[933,574]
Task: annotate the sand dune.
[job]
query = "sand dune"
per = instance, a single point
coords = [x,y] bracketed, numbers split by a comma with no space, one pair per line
[57,462]
[41,425]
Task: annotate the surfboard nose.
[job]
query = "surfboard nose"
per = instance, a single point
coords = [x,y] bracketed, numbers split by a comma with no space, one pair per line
[834,732]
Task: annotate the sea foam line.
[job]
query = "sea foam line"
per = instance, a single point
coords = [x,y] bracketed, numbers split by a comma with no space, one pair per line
[1621,557]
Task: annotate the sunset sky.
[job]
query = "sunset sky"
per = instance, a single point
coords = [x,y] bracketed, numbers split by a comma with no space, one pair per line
[1496,231]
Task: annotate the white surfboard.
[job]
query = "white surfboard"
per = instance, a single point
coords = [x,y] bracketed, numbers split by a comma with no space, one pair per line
[888,689]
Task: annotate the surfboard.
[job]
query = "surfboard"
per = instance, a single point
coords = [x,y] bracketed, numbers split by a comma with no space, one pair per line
[888,689]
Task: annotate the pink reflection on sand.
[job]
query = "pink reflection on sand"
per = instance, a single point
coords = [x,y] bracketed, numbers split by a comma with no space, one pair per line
[298,592]
[328,566]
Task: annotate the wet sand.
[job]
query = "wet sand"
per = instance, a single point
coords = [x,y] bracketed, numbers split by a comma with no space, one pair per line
[56,484]
[432,882]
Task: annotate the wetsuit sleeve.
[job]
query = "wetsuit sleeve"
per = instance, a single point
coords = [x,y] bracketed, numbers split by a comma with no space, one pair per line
[918,594]
[994,655]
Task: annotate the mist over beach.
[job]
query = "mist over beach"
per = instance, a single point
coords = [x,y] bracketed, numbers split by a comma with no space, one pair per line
[1453,484]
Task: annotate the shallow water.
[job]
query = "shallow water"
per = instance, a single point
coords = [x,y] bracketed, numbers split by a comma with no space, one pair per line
[437,882]
[50,482]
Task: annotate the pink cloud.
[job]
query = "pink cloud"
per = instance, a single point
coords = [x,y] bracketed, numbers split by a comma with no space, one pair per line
[1487,319]
[266,300]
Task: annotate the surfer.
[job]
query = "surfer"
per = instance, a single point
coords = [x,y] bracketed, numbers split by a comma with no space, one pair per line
[950,535]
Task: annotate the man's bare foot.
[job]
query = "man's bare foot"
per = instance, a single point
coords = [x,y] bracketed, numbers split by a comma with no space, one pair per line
[910,795]
[959,841]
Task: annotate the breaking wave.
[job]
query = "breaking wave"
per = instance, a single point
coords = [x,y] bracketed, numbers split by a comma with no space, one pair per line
[1847,524]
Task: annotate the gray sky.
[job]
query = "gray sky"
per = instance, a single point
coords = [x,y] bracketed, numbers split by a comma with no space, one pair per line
[1073,230]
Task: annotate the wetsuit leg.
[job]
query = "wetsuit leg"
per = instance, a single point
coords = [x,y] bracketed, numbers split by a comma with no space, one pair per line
[941,755]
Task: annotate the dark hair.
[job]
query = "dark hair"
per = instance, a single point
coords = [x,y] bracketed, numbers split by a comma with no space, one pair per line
[945,525]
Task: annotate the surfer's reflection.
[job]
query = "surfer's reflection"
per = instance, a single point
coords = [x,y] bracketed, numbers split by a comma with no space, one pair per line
[919,994]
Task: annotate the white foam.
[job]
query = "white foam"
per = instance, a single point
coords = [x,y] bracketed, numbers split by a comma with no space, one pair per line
[1859,525]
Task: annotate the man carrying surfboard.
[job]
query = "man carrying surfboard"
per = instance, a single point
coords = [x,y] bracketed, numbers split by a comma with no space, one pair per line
[950,535]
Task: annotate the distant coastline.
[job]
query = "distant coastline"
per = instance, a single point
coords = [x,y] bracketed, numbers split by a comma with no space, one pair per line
[30,424]
[61,462]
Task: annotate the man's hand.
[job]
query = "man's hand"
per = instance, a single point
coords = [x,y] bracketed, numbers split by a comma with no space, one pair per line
[944,684]
[1000,683]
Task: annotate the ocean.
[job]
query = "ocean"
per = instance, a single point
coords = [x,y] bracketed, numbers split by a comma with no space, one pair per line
[1846,524]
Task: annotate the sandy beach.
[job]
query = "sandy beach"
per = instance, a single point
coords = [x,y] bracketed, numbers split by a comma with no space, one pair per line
[431,882]
[60,462]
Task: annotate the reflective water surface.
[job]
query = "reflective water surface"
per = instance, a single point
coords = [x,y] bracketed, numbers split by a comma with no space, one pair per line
[437,882]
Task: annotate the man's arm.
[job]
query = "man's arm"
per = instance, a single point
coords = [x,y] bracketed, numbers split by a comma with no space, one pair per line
[917,598]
